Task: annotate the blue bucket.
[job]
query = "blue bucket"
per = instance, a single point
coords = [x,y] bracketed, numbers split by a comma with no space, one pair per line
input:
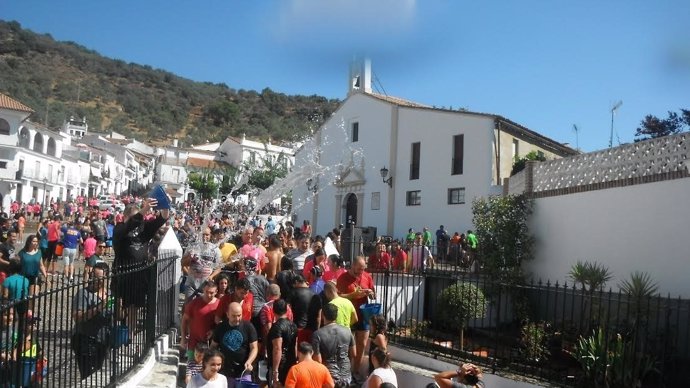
[368,311]
[120,336]
[28,369]
[159,194]
[239,383]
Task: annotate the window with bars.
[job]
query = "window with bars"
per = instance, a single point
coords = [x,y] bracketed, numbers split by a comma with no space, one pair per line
[414,198]
[355,132]
[456,196]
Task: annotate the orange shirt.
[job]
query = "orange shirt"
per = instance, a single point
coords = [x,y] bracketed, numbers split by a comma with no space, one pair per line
[308,374]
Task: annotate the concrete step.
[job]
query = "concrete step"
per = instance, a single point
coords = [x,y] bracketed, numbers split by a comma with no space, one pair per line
[160,368]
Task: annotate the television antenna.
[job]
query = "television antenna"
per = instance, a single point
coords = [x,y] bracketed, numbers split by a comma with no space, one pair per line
[614,108]
[577,137]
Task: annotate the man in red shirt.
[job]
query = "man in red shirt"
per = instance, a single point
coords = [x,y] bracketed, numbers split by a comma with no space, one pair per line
[198,319]
[53,239]
[357,285]
[399,256]
[242,296]
[380,259]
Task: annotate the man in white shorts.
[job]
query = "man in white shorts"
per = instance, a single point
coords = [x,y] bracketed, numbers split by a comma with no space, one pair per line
[71,238]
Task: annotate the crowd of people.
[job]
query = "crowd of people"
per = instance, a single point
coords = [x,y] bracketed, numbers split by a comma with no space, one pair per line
[265,300]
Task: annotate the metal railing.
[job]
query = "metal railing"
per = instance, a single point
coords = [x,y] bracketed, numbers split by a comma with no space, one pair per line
[533,329]
[40,346]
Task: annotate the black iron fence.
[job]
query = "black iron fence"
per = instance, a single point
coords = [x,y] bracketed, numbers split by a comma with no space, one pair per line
[66,337]
[558,333]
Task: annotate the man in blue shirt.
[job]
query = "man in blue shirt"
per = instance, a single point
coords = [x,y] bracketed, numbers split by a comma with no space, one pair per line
[442,240]
[71,238]
[270,226]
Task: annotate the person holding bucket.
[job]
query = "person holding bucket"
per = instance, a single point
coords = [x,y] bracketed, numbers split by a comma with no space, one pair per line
[357,285]
[238,341]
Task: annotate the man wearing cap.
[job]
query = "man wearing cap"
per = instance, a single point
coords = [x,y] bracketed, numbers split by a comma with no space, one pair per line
[258,286]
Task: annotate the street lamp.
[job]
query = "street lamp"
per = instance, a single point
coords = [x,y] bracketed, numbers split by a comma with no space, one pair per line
[384,174]
[45,182]
[312,185]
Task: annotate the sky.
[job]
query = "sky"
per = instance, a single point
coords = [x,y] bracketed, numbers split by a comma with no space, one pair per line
[548,65]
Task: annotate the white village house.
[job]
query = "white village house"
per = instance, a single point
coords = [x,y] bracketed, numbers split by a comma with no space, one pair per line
[436,161]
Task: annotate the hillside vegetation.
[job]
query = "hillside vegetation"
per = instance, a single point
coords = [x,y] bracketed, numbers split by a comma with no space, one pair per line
[67,79]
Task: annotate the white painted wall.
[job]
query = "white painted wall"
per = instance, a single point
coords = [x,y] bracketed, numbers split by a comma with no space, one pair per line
[643,227]
[435,131]
[374,118]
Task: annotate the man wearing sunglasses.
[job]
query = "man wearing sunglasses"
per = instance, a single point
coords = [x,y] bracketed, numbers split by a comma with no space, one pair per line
[94,259]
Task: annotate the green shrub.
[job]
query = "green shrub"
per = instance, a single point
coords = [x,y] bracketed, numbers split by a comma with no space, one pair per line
[535,337]
[458,304]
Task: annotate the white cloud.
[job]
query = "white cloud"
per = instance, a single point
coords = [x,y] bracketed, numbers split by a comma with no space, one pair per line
[348,22]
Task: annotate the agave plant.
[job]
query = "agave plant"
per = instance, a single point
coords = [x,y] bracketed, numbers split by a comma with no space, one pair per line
[639,286]
[592,276]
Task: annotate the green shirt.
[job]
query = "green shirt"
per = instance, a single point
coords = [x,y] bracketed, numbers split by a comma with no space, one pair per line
[472,241]
[426,238]
[345,311]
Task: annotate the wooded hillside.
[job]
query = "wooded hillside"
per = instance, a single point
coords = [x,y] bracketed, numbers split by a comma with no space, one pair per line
[67,79]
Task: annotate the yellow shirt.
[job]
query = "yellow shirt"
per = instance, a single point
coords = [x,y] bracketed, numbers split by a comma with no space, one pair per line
[227,251]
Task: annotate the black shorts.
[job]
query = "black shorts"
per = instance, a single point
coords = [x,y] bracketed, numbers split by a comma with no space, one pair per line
[32,279]
[51,250]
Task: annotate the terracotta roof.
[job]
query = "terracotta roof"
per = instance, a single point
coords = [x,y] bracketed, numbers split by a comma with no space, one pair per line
[204,163]
[397,100]
[8,102]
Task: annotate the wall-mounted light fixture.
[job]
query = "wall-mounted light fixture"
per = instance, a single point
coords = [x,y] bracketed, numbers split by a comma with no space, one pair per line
[384,174]
[312,185]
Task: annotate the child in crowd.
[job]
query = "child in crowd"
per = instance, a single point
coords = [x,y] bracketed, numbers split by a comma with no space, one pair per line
[195,365]
[209,376]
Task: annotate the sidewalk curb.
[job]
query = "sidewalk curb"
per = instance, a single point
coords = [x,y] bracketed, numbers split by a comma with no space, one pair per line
[154,356]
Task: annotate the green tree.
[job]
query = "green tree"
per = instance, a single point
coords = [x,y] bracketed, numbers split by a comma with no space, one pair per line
[459,303]
[204,183]
[653,127]
[503,235]
[230,179]
[520,163]
[222,113]
[262,176]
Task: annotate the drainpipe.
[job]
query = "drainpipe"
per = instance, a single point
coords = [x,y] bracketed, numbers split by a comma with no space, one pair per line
[392,162]
[497,150]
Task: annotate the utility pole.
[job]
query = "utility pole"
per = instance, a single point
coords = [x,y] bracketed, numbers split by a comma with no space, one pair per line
[614,108]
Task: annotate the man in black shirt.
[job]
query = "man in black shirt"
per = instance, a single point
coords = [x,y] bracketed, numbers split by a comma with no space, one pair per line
[281,342]
[238,341]
[131,244]
[306,309]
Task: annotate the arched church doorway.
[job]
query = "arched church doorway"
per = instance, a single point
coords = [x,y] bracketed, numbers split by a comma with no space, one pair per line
[351,209]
